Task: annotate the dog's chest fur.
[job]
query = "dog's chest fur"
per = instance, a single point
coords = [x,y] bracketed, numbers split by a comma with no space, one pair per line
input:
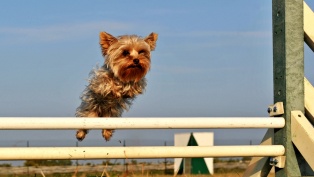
[107,95]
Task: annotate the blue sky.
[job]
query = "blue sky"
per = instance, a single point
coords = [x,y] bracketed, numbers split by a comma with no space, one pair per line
[213,58]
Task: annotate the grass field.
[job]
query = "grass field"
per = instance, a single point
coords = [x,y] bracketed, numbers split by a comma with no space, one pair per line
[222,169]
[133,175]
[117,174]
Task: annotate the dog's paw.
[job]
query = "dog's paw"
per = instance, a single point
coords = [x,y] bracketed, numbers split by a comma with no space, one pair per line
[107,134]
[80,134]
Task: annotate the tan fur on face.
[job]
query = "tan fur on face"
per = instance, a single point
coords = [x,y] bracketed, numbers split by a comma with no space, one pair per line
[123,50]
[113,87]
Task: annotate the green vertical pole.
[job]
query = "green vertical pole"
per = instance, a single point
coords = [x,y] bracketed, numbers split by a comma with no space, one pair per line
[288,63]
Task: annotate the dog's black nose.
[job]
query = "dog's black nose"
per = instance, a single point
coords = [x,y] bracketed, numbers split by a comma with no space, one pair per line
[136,61]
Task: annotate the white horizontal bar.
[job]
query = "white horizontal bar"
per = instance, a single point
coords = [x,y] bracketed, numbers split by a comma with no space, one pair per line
[54,123]
[138,152]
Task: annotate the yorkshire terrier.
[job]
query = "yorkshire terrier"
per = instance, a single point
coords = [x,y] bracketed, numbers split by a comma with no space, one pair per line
[114,86]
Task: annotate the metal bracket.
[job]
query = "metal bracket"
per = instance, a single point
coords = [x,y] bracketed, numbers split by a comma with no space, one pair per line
[278,162]
[275,109]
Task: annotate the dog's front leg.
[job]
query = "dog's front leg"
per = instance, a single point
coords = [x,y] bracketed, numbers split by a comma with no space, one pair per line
[81,133]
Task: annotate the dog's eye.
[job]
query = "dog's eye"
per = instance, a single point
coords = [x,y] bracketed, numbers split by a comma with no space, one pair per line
[125,53]
[141,52]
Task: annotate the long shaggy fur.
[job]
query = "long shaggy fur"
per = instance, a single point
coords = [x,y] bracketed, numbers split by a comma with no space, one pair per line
[107,95]
[114,86]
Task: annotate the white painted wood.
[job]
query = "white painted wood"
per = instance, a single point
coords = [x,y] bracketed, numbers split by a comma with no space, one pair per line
[180,139]
[302,132]
[54,123]
[276,109]
[308,25]
[12,153]
[309,99]
[257,164]
[202,139]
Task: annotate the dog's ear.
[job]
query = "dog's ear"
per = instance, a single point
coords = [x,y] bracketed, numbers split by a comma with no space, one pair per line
[151,40]
[105,41]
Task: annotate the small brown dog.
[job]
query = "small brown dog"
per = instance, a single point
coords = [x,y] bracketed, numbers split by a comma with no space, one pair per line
[113,86]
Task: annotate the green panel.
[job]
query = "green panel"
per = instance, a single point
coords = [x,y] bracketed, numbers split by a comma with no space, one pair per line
[199,166]
[180,172]
[288,64]
[192,141]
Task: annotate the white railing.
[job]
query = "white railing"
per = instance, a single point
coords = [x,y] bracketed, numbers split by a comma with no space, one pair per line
[139,152]
[54,123]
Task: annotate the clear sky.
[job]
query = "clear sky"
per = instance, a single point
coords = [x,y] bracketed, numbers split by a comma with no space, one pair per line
[213,58]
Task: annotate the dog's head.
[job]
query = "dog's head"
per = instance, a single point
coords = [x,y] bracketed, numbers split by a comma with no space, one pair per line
[128,56]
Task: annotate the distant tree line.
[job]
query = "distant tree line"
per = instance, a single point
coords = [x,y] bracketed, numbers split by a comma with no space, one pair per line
[47,163]
[5,165]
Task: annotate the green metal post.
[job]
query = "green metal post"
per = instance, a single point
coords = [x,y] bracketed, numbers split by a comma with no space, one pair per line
[288,63]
